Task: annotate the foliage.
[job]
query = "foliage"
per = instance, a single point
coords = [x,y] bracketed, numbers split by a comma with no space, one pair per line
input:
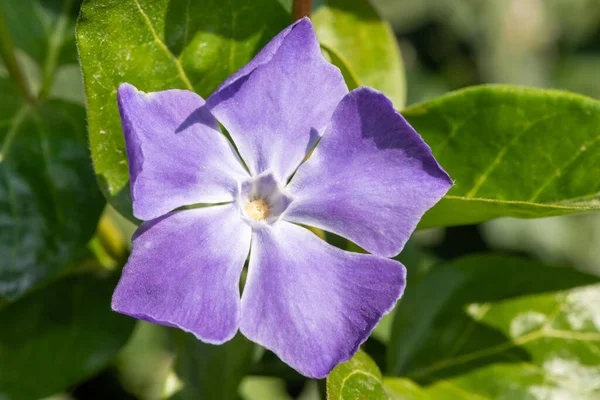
[479,326]
[49,201]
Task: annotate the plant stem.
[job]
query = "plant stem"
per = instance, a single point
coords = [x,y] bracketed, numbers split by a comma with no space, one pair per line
[55,44]
[7,53]
[301,8]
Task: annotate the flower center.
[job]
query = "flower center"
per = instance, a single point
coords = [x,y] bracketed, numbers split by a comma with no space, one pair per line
[261,200]
[258,209]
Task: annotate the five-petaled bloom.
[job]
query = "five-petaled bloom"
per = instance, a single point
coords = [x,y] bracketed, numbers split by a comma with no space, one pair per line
[370,179]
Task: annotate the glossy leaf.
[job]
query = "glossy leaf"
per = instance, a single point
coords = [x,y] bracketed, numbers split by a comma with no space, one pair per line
[495,326]
[518,152]
[358,378]
[208,371]
[364,44]
[58,336]
[49,200]
[157,45]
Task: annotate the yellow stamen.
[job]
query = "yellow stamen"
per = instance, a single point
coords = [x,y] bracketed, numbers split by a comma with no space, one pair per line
[257,209]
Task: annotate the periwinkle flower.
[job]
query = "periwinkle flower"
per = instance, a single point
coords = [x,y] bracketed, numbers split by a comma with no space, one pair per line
[370,179]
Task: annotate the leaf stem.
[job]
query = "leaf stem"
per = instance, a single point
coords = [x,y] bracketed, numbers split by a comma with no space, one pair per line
[55,44]
[301,8]
[7,53]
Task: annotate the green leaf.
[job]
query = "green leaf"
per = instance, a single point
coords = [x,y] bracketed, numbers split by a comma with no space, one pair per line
[518,152]
[208,371]
[263,388]
[49,200]
[494,326]
[336,59]
[364,44]
[404,389]
[158,45]
[58,336]
[358,378]
[145,362]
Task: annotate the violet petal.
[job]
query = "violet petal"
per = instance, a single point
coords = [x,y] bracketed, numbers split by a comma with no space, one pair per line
[177,154]
[184,271]
[311,303]
[277,112]
[370,179]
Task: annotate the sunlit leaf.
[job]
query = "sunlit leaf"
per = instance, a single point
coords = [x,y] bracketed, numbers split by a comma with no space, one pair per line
[358,378]
[518,152]
[363,44]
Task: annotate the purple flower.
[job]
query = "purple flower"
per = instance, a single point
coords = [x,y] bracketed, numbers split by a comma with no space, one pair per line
[370,179]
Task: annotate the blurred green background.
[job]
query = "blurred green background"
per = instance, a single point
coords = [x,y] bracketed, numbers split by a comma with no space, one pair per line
[446,45]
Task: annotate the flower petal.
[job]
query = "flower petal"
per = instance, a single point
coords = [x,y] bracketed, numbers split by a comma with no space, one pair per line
[184,271]
[276,112]
[177,154]
[264,56]
[311,303]
[370,179]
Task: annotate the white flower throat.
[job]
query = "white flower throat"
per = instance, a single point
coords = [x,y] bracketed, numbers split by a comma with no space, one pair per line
[261,199]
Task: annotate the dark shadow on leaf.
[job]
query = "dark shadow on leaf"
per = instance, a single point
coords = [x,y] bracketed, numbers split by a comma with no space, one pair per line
[187,18]
[270,365]
[121,200]
[193,25]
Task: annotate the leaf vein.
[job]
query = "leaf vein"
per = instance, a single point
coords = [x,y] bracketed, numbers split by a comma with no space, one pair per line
[483,177]
[356,371]
[519,341]
[453,131]
[528,203]
[164,47]
[560,170]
